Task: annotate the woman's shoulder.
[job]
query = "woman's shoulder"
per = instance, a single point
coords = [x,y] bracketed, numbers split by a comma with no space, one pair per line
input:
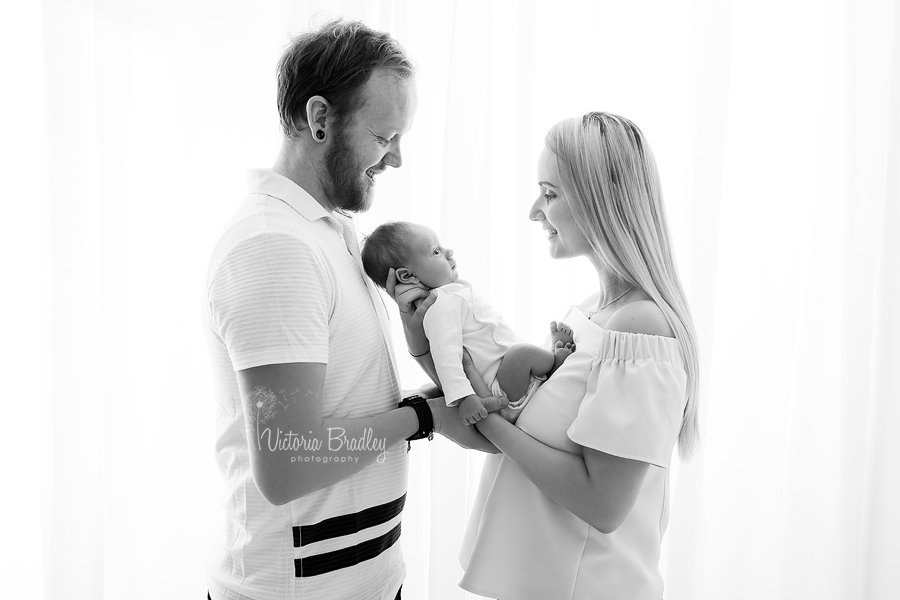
[640,316]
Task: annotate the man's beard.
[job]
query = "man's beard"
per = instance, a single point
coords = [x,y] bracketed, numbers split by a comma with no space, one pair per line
[346,189]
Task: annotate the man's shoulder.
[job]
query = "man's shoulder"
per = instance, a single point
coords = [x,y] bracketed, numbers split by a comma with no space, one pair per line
[260,217]
[258,238]
[260,212]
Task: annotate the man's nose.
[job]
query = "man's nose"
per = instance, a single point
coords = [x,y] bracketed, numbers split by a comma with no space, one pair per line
[393,157]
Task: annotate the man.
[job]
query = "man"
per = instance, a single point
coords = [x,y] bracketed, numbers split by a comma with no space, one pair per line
[311,443]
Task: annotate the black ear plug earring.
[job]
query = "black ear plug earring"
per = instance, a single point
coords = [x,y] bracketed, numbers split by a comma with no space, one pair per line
[320,135]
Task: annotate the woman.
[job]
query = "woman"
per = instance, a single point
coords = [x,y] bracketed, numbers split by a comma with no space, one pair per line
[577,503]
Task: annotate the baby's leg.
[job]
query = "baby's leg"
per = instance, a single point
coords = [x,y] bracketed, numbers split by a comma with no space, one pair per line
[519,364]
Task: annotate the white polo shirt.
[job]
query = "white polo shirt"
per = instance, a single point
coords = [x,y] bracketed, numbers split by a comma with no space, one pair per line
[285,284]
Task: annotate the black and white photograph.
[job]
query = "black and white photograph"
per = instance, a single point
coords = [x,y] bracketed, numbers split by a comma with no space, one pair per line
[451,299]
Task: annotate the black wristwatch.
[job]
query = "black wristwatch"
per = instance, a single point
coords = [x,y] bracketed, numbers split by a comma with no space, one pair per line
[423,413]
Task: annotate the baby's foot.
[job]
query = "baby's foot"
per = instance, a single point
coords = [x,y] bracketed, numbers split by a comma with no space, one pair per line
[560,332]
[561,352]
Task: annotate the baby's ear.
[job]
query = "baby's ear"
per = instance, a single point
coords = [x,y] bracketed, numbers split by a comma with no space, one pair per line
[404,275]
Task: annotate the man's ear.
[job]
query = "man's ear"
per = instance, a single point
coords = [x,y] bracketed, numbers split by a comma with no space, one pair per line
[404,275]
[317,113]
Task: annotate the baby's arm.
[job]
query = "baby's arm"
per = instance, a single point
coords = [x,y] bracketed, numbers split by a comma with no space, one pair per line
[443,325]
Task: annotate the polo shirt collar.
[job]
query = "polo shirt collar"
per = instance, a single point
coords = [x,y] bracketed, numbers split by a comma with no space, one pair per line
[270,183]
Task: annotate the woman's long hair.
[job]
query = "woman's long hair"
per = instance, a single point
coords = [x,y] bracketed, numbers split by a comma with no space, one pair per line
[609,176]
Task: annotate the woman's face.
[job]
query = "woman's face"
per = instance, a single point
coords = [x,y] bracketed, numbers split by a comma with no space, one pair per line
[551,210]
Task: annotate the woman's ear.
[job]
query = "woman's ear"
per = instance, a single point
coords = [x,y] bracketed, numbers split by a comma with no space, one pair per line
[404,275]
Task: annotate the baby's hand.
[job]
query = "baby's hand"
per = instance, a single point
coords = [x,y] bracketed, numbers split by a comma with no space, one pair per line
[472,410]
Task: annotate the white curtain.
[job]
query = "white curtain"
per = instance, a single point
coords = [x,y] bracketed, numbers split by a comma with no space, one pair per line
[127,127]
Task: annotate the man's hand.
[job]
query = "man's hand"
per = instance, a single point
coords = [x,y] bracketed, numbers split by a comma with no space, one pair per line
[413,302]
[448,423]
[406,295]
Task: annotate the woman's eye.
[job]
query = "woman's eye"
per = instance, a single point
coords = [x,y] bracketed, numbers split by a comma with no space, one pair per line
[548,196]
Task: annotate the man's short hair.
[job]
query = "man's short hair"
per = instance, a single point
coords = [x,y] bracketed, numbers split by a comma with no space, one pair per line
[386,248]
[333,62]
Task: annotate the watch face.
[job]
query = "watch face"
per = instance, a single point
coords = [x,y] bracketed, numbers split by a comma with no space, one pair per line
[412,399]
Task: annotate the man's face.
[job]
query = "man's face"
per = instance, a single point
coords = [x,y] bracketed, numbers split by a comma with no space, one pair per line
[367,142]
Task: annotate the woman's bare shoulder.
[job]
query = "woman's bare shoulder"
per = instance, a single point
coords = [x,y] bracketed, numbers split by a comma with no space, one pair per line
[640,316]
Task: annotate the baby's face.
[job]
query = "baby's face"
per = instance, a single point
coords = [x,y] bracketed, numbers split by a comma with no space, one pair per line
[430,262]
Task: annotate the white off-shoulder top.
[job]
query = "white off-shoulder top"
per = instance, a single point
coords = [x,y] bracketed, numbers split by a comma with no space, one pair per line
[619,393]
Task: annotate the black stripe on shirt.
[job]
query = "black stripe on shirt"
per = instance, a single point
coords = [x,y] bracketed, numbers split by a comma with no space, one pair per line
[319,564]
[348,524]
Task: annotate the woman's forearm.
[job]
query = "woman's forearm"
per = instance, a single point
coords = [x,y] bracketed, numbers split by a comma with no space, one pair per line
[564,477]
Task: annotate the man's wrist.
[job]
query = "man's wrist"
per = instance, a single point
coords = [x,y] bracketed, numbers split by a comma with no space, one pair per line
[424,416]
[437,405]
[429,391]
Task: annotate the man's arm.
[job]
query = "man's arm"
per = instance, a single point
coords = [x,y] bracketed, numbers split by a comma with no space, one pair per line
[413,301]
[295,450]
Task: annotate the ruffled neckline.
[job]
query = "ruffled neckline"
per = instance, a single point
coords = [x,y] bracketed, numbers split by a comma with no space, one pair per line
[621,345]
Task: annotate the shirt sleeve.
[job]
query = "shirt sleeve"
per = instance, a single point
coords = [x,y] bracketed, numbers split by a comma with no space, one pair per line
[270,300]
[634,399]
[443,325]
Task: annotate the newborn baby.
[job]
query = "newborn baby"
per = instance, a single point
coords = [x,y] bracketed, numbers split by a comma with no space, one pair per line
[461,319]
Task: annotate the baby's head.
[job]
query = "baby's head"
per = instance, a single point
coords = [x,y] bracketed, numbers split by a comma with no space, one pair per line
[412,250]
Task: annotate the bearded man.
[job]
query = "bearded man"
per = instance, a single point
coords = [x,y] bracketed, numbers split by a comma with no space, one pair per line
[311,443]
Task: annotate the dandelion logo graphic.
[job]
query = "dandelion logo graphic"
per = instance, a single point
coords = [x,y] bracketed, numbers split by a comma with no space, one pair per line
[263,405]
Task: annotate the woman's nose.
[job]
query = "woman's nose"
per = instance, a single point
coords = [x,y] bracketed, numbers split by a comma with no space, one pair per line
[536,214]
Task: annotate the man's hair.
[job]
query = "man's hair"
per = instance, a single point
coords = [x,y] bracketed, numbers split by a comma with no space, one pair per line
[386,248]
[334,62]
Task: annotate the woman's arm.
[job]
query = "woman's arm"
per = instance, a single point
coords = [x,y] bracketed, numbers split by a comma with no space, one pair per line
[599,488]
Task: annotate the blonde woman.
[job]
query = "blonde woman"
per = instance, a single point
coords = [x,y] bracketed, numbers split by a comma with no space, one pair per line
[576,504]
